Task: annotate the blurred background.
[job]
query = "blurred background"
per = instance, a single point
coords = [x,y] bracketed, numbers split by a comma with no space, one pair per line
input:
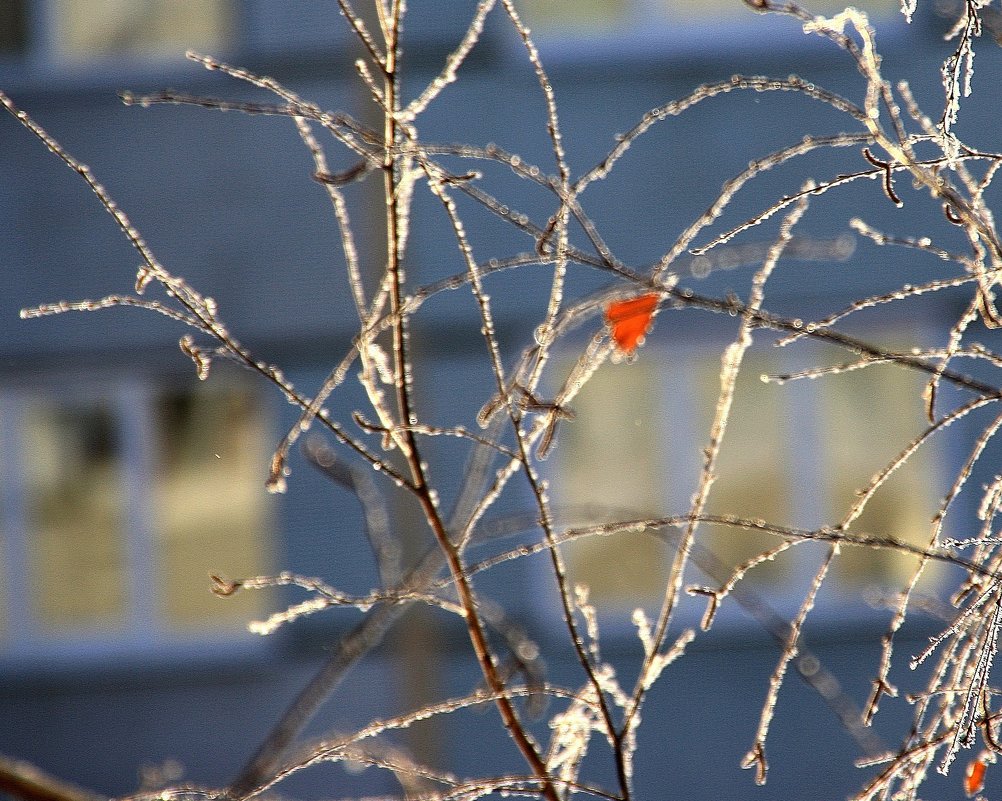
[125,482]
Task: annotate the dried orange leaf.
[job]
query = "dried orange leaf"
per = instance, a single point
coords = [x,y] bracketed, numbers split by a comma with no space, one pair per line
[629,320]
[974,778]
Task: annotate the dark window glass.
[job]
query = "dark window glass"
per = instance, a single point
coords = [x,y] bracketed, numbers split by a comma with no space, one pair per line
[13,27]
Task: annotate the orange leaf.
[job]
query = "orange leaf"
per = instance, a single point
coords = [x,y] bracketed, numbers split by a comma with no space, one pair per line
[630,319]
[974,779]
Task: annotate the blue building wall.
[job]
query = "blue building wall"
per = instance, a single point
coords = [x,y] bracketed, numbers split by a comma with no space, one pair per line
[227,201]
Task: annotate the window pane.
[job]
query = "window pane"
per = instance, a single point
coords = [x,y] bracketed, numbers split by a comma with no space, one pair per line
[575,16]
[634,450]
[595,17]
[88,28]
[74,513]
[609,467]
[13,27]
[754,477]
[869,416]
[710,10]
[211,508]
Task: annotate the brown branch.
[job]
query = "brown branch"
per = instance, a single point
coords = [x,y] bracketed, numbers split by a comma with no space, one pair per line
[23,780]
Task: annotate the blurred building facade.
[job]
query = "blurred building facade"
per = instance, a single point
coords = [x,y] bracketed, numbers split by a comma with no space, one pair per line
[124,481]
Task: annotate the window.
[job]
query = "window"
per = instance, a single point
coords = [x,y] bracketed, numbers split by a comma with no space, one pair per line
[611,463]
[792,455]
[868,415]
[209,501]
[576,16]
[81,31]
[649,422]
[13,27]
[86,29]
[118,501]
[74,515]
[761,472]
[570,15]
